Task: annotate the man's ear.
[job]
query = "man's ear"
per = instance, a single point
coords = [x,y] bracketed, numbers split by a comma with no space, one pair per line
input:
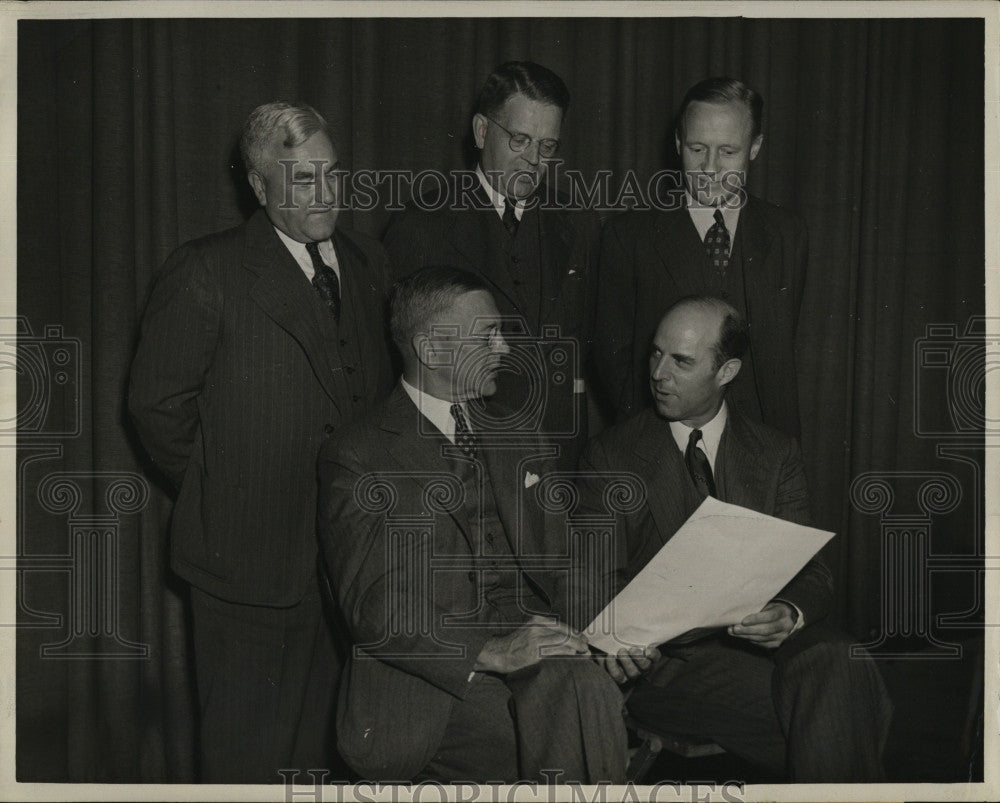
[677,141]
[479,123]
[727,371]
[755,146]
[423,347]
[259,187]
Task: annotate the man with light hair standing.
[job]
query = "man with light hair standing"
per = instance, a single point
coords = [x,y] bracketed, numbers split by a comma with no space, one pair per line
[257,344]
[717,240]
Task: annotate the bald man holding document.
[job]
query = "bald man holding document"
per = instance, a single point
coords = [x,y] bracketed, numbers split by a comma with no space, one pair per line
[777,687]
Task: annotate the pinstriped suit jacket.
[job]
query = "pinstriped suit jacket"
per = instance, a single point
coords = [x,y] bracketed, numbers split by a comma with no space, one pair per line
[422,639]
[756,467]
[240,375]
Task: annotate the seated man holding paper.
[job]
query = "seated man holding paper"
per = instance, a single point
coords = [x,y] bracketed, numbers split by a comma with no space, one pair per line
[776,687]
[443,567]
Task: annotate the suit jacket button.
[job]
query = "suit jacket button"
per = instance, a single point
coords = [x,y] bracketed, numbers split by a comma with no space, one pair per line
[328,429]
[343,342]
[348,369]
[515,260]
[355,398]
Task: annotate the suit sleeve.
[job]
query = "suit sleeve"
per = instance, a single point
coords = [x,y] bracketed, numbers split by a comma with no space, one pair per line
[384,585]
[811,590]
[615,319]
[177,343]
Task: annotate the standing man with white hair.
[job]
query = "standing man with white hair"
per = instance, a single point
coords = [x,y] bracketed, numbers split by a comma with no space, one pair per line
[257,343]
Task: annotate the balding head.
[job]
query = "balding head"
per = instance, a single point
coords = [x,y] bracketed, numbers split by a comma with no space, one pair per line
[696,353]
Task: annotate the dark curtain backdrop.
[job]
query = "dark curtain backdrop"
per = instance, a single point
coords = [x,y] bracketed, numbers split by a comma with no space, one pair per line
[127,136]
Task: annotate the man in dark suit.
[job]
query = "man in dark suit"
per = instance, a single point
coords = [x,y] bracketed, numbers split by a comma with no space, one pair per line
[716,240]
[448,576]
[779,688]
[256,344]
[538,257]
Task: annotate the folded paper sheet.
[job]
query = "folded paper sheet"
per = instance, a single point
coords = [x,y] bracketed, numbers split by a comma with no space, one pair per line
[724,563]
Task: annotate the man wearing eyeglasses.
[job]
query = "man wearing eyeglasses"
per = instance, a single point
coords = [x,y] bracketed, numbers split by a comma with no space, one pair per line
[504,223]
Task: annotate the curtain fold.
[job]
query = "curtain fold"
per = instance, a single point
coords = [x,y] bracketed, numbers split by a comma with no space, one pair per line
[127,147]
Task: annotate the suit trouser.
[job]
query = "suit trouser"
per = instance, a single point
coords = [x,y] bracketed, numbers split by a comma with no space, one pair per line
[267,682]
[559,720]
[807,712]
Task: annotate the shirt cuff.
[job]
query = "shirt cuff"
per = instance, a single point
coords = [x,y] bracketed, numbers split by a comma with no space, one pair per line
[800,620]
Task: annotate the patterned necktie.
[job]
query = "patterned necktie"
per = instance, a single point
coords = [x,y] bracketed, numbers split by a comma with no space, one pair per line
[698,465]
[325,281]
[510,220]
[464,438]
[717,244]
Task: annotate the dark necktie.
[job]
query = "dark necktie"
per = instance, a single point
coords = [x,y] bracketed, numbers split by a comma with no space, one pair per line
[717,244]
[510,220]
[698,465]
[325,281]
[464,438]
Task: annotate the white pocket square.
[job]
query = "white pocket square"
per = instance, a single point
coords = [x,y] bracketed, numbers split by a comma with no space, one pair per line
[571,271]
[530,479]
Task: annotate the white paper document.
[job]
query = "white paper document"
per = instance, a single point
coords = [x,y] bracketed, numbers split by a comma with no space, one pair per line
[723,564]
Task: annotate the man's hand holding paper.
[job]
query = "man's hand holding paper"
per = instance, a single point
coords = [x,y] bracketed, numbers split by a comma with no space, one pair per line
[723,568]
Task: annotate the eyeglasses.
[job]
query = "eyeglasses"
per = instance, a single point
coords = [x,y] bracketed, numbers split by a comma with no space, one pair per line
[518,142]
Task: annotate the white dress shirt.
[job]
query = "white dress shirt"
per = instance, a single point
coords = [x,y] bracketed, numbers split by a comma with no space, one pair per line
[435,410]
[301,255]
[711,434]
[498,199]
[703,218]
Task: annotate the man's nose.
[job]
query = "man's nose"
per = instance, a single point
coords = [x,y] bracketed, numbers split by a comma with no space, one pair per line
[329,190]
[499,345]
[531,154]
[660,371]
[711,162]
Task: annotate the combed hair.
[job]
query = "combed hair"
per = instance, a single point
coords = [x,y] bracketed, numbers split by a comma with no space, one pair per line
[418,299]
[296,122]
[724,90]
[734,334]
[532,80]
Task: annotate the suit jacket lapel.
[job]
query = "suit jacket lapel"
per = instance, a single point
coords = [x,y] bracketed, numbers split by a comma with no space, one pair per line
[524,525]
[416,449]
[741,477]
[671,496]
[678,244]
[283,292]
[753,238]
[473,233]
[361,295]
[558,236]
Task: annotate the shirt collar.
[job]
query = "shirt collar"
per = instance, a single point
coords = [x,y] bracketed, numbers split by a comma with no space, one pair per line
[711,434]
[301,255]
[497,198]
[435,410]
[703,217]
